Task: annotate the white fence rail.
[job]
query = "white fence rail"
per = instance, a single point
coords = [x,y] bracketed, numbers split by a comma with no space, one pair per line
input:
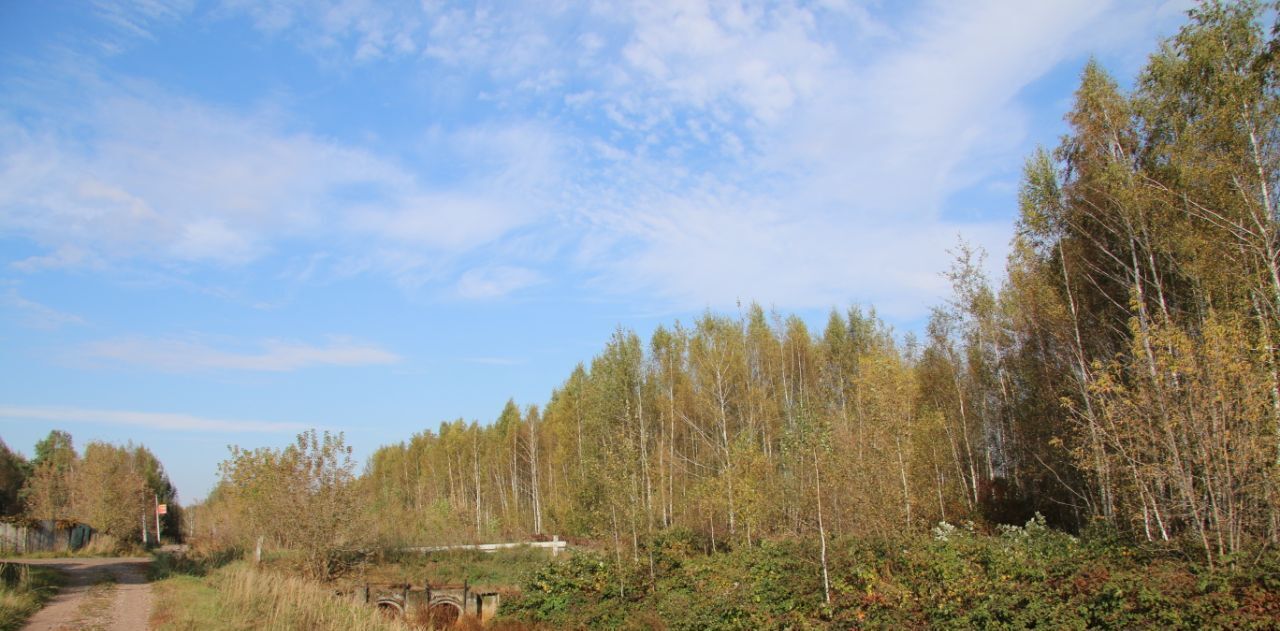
[555,545]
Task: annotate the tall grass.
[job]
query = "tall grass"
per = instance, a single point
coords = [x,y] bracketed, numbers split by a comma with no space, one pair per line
[239,596]
[23,590]
[206,592]
[191,563]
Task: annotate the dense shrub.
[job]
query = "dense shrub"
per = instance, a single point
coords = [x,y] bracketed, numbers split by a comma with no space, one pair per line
[952,578]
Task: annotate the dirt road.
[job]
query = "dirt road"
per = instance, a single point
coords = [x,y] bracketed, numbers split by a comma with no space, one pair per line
[110,594]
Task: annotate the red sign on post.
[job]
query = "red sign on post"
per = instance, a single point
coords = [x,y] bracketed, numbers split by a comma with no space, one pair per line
[162,509]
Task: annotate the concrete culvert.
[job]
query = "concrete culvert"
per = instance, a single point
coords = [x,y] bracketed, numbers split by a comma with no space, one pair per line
[443,615]
[390,609]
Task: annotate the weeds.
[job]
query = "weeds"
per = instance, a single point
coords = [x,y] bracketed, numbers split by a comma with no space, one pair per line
[23,590]
[214,590]
[191,563]
[953,578]
[238,596]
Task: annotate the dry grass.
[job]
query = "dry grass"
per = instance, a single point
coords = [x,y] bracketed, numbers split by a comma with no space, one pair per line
[208,592]
[241,597]
[23,590]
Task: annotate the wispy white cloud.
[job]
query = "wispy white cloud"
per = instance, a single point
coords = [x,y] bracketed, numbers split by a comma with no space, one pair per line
[698,253]
[126,23]
[183,355]
[138,17]
[495,282]
[150,420]
[761,57]
[696,151]
[37,315]
[169,180]
[503,41]
[65,256]
[364,29]
[833,186]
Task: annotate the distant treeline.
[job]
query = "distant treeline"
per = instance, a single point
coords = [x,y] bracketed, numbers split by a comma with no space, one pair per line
[111,488]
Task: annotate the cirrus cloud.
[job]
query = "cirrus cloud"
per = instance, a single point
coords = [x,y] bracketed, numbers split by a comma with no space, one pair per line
[151,420]
[186,355]
[165,180]
[693,150]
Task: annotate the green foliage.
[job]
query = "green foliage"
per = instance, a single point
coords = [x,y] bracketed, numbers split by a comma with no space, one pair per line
[763,586]
[1144,295]
[1016,577]
[14,470]
[57,449]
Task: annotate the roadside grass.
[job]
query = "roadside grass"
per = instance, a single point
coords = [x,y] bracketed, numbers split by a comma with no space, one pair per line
[192,563]
[23,590]
[238,596]
[219,592]
[188,602]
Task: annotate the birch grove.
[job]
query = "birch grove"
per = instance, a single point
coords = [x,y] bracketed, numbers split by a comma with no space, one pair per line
[1124,371]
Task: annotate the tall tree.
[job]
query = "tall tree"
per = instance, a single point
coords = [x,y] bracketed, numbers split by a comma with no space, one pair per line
[109,491]
[14,470]
[303,497]
[47,493]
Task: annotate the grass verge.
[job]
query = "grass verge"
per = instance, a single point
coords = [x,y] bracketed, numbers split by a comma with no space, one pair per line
[23,590]
[239,596]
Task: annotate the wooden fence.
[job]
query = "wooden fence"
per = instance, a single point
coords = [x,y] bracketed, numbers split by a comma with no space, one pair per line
[43,536]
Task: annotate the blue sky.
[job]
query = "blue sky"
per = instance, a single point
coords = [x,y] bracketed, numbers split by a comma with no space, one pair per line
[225,222]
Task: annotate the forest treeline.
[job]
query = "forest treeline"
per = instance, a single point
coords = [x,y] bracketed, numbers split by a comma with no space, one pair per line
[112,488]
[1125,371]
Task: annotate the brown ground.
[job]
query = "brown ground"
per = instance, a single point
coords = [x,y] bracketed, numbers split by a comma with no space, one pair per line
[108,594]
